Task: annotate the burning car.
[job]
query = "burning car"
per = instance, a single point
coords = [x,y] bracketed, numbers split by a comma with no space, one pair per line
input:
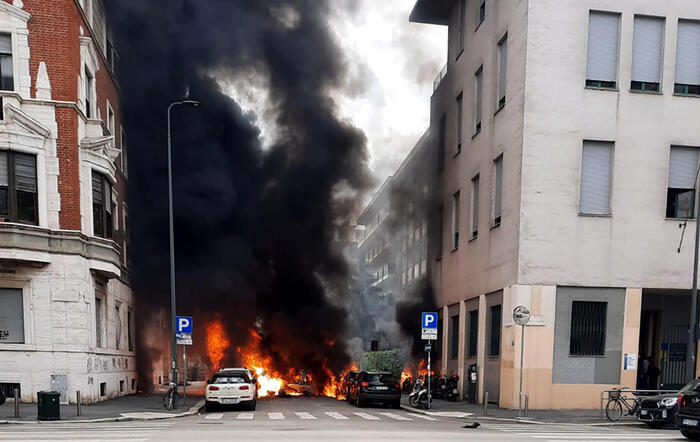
[300,387]
[231,386]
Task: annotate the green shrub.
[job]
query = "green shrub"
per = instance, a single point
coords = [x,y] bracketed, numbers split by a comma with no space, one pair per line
[388,360]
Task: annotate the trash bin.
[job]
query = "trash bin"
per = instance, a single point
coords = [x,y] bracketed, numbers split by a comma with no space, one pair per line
[48,406]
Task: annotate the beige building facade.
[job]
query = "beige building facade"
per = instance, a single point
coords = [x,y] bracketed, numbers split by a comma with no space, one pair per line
[567,141]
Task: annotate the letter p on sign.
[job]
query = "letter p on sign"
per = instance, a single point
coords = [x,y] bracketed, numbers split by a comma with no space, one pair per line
[429,320]
[184,324]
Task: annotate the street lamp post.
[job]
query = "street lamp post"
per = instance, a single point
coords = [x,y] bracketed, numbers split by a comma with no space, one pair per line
[172,245]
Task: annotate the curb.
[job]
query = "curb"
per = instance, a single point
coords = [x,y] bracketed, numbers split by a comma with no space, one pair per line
[190,412]
[515,420]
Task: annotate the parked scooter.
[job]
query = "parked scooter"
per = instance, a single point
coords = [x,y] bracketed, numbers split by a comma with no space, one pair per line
[419,396]
[452,388]
[406,386]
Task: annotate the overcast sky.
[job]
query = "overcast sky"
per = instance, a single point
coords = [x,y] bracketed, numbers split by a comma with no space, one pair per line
[393,63]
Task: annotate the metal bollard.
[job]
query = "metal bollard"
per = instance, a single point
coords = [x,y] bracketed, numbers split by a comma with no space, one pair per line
[527,404]
[16,396]
[77,402]
[486,403]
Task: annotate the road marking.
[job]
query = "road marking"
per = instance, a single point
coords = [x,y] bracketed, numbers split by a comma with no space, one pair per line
[73,439]
[367,416]
[598,436]
[275,416]
[397,417]
[336,415]
[423,416]
[304,415]
[246,415]
[214,416]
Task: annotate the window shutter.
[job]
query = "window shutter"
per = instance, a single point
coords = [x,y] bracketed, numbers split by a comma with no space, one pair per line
[647,49]
[502,67]
[479,88]
[683,167]
[603,39]
[498,191]
[688,53]
[4,181]
[5,44]
[25,173]
[596,178]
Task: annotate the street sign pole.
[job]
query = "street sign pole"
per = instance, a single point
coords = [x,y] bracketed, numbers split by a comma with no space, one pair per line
[429,376]
[184,376]
[521,316]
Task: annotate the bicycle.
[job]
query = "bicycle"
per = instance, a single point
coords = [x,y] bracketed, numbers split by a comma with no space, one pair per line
[170,398]
[616,401]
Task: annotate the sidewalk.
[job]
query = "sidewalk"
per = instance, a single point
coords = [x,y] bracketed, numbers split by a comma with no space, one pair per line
[472,411]
[144,406]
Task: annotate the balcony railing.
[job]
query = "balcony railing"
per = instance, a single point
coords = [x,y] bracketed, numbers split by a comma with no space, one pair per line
[440,76]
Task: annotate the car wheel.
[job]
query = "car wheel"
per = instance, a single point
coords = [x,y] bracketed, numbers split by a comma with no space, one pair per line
[208,406]
[396,404]
[251,407]
[692,435]
[358,401]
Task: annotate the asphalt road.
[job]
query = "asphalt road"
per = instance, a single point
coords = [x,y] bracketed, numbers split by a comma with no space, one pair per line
[321,419]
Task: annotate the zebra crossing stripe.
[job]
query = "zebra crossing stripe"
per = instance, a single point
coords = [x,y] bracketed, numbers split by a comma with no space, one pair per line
[366,416]
[275,416]
[336,415]
[214,416]
[304,415]
[423,416]
[246,416]
[397,417]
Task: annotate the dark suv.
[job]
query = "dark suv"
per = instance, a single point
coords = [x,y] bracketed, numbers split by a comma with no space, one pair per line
[376,387]
[688,414]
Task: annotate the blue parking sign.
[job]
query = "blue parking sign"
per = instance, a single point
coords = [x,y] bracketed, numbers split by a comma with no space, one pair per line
[183,325]
[429,320]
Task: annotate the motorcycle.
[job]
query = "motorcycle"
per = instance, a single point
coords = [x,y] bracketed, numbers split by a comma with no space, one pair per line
[406,386]
[452,389]
[419,396]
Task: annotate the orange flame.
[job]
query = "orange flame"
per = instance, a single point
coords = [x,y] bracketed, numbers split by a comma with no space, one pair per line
[334,387]
[217,343]
[269,381]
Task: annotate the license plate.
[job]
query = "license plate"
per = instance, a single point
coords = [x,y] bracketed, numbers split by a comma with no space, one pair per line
[690,422]
[645,412]
[381,387]
[230,401]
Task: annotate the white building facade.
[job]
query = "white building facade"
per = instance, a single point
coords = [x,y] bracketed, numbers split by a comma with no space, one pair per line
[66,308]
[567,142]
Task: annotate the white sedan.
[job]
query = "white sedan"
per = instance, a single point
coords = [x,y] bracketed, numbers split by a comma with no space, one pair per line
[231,387]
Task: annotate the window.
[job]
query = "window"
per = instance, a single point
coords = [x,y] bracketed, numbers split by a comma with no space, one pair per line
[455,220]
[126,242]
[110,119]
[687,56]
[474,221]
[98,23]
[11,316]
[482,13]
[440,228]
[98,322]
[459,121]
[454,336]
[497,190]
[89,83]
[495,336]
[129,330]
[588,328]
[682,170]
[473,332]
[462,20]
[7,82]
[478,87]
[124,157]
[596,174]
[118,327]
[440,145]
[102,207]
[103,389]
[603,37]
[121,386]
[647,52]
[502,69]
[133,383]
[18,188]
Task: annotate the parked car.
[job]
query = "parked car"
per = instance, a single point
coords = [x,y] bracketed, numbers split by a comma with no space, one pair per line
[688,412]
[376,387]
[231,386]
[350,379]
[660,410]
[300,386]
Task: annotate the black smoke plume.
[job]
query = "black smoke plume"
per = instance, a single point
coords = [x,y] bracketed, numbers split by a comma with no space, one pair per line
[253,226]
